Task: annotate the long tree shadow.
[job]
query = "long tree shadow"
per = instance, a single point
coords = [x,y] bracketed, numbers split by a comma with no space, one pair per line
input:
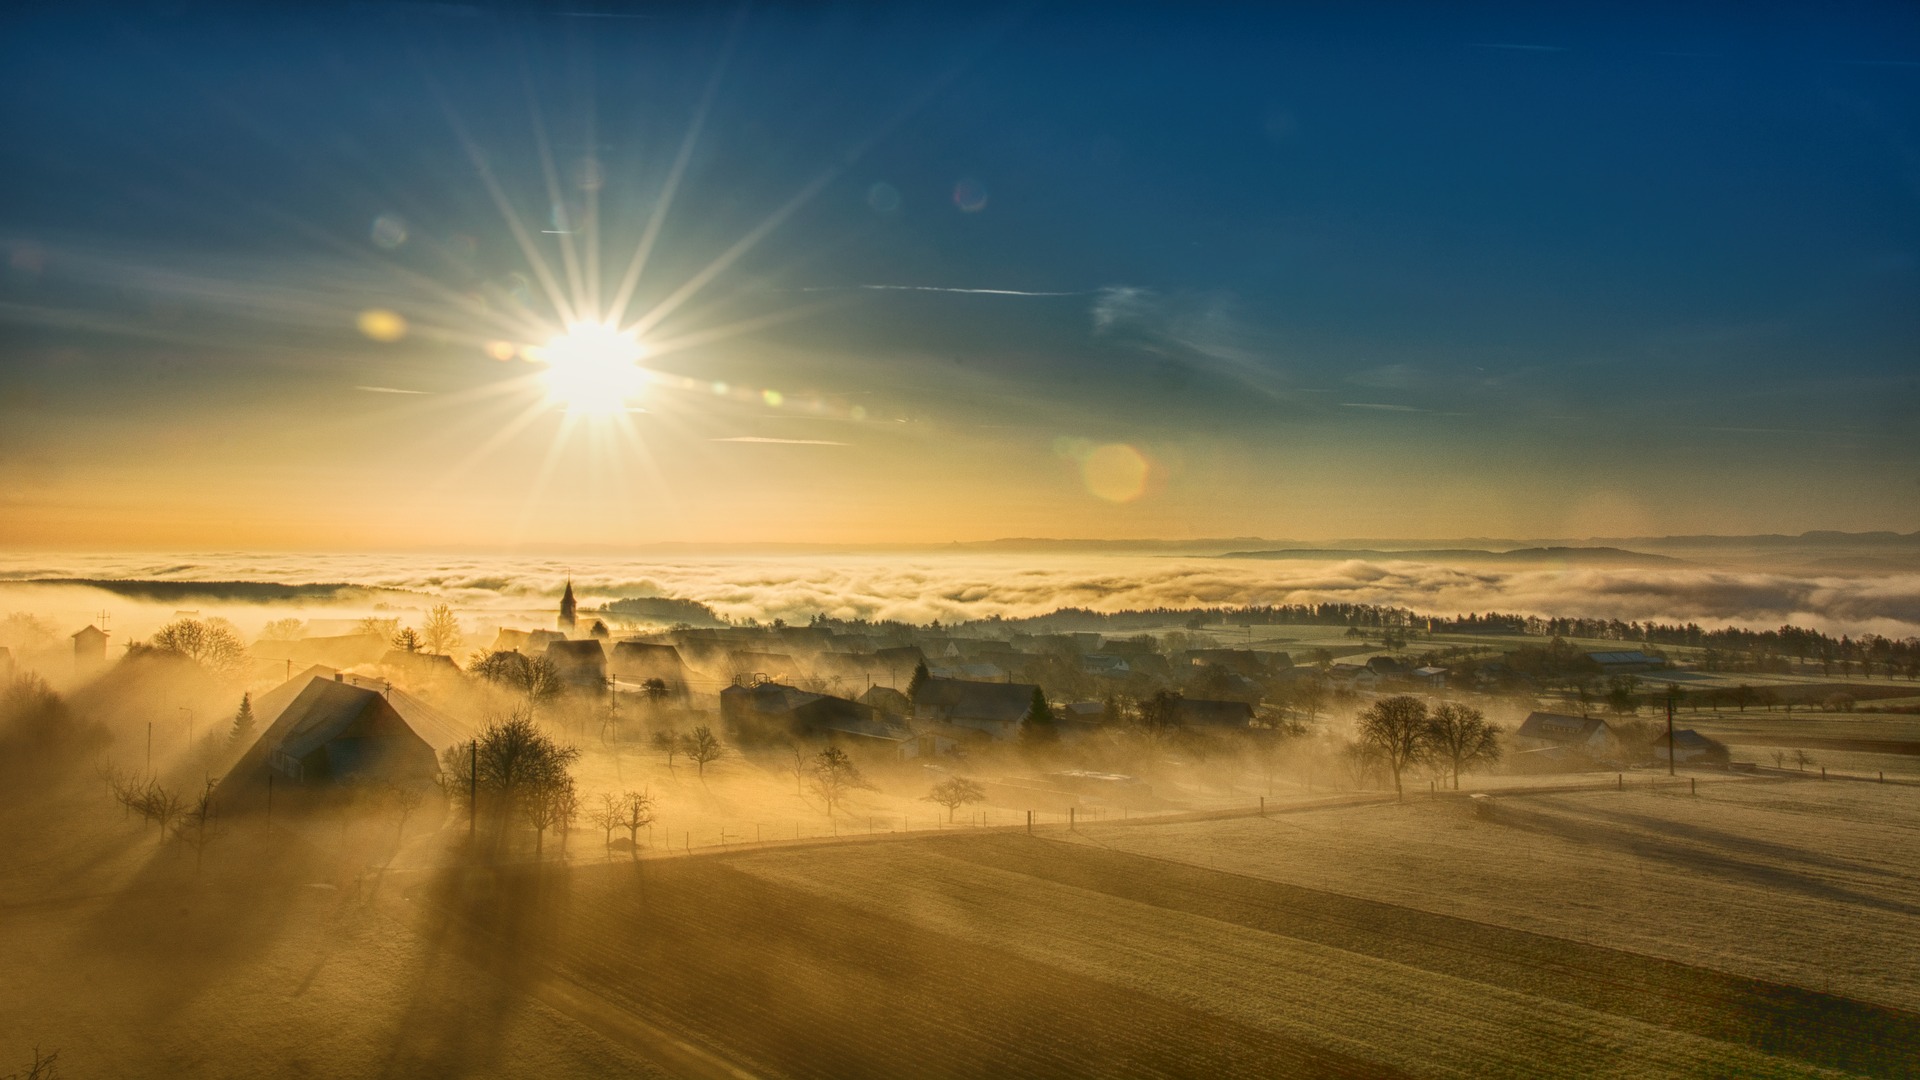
[477,917]
[1693,853]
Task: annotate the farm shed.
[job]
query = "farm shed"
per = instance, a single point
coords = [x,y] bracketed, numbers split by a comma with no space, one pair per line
[1626,663]
[1690,745]
[1553,735]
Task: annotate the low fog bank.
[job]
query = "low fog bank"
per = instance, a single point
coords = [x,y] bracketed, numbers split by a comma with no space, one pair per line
[949,588]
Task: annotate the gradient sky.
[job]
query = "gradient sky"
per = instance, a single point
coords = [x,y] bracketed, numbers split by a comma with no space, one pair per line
[1337,270]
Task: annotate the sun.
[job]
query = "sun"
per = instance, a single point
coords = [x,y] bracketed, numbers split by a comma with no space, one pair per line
[592,369]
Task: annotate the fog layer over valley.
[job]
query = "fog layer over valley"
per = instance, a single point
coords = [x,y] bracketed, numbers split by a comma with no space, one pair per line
[1734,582]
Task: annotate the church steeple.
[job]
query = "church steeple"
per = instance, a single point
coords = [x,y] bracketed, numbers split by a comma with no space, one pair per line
[567,620]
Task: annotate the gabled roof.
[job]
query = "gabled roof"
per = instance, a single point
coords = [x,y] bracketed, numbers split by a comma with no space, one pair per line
[582,650]
[323,711]
[1555,727]
[1634,657]
[1004,702]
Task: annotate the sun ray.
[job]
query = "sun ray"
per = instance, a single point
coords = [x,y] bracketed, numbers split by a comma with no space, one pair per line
[535,261]
[617,309]
[562,220]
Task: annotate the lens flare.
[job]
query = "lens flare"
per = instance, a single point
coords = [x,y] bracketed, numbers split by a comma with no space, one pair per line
[593,369]
[1115,472]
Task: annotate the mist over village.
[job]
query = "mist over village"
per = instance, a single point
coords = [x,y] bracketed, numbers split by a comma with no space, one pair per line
[831,542]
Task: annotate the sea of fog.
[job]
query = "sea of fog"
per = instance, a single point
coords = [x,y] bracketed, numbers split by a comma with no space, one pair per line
[921,587]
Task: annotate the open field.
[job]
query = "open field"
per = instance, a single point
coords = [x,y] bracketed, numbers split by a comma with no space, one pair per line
[1763,928]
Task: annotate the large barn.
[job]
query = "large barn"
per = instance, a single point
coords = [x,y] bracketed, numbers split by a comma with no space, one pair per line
[325,727]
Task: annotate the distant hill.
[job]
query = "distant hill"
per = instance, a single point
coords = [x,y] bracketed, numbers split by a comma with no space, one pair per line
[170,592]
[1591,556]
[666,609]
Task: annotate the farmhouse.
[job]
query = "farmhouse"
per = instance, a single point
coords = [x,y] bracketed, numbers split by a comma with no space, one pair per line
[1200,713]
[770,711]
[1553,735]
[332,732]
[638,661]
[994,708]
[582,663]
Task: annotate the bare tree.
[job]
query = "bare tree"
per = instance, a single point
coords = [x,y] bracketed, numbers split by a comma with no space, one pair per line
[835,774]
[1396,729]
[547,802]
[196,825]
[1779,759]
[535,677]
[636,813]
[797,766]
[668,742]
[1802,759]
[1460,738]
[607,815]
[402,799]
[955,792]
[440,633]
[212,643]
[702,747]
[42,1067]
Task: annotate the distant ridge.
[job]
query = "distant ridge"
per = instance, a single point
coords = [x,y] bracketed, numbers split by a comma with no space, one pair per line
[174,591]
[1608,556]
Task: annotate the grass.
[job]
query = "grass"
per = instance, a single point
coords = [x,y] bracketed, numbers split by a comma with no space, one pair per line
[1759,929]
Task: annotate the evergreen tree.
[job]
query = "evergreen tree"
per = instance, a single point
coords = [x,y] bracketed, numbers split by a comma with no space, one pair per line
[1038,726]
[242,722]
[919,680]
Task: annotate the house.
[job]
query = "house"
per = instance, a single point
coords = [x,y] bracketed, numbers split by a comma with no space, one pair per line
[420,665]
[638,661]
[1239,661]
[770,712]
[1201,713]
[1358,676]
[582,664]
[1433,678]
[1387,667]
[333,732]
[996,709]
[1626,663]
[1690,745]
[89,648]
[976,670]
[886,701]
[1553,736]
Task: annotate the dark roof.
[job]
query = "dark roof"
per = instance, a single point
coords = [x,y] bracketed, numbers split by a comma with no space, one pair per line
[324,710]
[1555,727]
[89,631]
[885,698]
[1634,657]
[1685,738]
[1004,702]
[582,649]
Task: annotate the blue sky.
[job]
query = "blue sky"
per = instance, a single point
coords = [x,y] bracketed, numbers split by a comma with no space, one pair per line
[1324,270]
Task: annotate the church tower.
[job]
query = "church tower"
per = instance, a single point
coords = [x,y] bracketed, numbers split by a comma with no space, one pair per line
[567,621]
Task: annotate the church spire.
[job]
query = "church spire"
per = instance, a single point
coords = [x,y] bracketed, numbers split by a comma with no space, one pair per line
[567,620]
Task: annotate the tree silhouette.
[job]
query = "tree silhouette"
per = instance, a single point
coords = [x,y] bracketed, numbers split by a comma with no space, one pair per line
[919,680]
[1460,736]
[1395,729]
[955,792]
[702,747]
[1037,727]
[440,633]
[242,722]
[835,774]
